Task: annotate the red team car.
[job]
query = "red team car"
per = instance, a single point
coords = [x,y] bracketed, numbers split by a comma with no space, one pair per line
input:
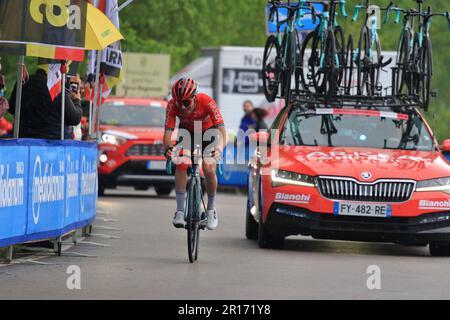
[350,173]
[131,150]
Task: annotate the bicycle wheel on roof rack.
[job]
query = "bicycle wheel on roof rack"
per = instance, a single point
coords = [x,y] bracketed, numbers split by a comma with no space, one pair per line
[375,60]
[318,64]
[362,62]
[331,69]
[271,71]
[427,73]
[348,66]
[308,63]
[403,57]
[413,75]
[340,49]
[289,52]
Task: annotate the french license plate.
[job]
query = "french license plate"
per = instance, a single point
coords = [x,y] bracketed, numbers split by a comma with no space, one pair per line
[156,165]
[362,209]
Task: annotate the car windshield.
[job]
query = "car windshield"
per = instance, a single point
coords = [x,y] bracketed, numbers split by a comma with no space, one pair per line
[356,128]
[131,115]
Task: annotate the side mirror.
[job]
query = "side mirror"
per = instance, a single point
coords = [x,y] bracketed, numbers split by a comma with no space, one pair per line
[262,137]
[446,145]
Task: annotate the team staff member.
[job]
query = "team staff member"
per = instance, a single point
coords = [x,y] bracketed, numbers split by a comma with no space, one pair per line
[190,108]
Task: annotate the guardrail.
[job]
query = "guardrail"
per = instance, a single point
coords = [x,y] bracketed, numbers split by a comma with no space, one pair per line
[47,189]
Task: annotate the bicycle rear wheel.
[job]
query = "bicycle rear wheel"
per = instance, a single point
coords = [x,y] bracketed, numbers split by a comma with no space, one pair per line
[375,68]
[332,59]
[362,62]
[403,61]
[290,52]
[349,66]
[271,72]
[308,66]
[427,73]
[193,220]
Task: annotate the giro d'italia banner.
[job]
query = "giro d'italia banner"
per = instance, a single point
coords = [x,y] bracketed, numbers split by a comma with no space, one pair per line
[47,188]
[53,29]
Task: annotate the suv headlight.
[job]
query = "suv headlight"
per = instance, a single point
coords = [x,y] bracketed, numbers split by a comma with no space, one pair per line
[435,185]
[282,177]
[113,139]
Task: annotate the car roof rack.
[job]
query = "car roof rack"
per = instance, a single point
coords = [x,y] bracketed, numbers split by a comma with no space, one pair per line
[308,100]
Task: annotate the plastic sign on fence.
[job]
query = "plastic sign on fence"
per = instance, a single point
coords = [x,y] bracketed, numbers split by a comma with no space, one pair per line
[307,20]
[47,188]
[13,192]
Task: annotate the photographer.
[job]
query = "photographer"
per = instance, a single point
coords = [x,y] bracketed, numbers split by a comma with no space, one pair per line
[40,116]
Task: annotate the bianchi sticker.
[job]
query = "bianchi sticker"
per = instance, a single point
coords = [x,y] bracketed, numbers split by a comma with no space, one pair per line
[292,198]
[434,205]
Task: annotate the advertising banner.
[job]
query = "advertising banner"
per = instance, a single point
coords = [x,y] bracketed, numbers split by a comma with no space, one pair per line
[72,170]
[53,29]
[47,188]
[13,191]
[88,183]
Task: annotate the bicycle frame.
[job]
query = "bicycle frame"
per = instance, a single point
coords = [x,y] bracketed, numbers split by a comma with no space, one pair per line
[327,24]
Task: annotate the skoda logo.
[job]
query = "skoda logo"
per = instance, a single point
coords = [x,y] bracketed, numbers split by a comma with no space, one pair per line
[366,175]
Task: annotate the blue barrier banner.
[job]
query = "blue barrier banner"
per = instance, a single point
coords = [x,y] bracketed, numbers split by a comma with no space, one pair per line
[73,189]
[46,192]
[235,166]
[13,192]
[88,183]
[47,188]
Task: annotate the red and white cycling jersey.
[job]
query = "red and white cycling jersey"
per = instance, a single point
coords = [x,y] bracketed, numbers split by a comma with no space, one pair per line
[207,112]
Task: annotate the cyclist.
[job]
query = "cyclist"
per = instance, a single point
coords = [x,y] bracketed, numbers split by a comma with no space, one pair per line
[196,112]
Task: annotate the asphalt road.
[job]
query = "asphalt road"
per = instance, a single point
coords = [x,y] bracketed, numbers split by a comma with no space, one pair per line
[147,259]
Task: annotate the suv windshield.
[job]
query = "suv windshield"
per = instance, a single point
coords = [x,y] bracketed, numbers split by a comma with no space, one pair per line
[131,115]
[356,128]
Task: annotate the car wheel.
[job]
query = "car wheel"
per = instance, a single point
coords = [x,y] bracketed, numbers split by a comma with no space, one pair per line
[163,191]
[265,239]
[440,249]
[251,226]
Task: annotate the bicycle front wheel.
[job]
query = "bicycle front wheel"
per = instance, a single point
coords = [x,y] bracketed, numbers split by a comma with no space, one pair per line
[271,72]
[427,74]
[193,220]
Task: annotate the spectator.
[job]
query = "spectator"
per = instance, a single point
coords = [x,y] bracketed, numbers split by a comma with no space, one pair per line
[247,121]
[258,115]
[40,116]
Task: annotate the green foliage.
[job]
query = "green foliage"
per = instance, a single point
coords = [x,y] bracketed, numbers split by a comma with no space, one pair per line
[182,27]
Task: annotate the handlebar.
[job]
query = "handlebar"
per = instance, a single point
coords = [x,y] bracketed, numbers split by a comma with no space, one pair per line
[398,13]
[343,11]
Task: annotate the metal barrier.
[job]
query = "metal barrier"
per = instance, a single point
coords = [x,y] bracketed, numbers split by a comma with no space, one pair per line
[47,189]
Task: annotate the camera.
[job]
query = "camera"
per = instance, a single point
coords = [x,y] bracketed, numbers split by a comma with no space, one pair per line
[72,86]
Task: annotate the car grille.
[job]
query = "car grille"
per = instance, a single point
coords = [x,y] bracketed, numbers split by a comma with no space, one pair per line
[155,150]
[352,190]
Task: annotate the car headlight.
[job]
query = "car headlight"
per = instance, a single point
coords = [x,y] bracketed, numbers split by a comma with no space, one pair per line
[282,177]
[113,139]
[435,185]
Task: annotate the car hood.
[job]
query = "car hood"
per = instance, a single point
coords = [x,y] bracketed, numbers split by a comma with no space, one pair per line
[135,133]
[353,162]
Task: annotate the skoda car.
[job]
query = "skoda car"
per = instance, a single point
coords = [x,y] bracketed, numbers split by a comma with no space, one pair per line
[346,173]
[131,150]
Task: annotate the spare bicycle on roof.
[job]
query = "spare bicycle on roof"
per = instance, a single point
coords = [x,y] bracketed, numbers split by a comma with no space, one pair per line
[329,68]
